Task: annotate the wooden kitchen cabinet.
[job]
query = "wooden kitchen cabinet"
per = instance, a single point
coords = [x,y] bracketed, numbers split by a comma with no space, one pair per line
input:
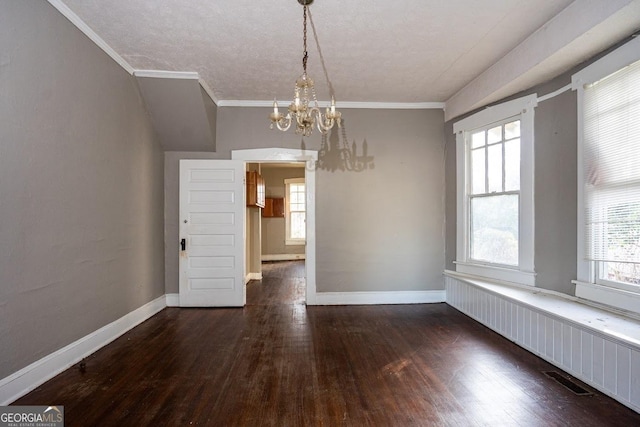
[255,189]
[273,208]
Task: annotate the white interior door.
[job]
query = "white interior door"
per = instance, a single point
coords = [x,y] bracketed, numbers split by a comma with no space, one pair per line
[212,209]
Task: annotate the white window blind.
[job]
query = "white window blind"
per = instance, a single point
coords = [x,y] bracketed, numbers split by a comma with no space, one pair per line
[612,167]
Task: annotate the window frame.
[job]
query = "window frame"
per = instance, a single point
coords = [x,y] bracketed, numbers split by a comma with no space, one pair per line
[287,184]
[522,109]
[588,285]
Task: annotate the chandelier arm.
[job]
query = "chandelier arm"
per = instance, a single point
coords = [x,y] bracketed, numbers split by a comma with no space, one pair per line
[320,121]
[285,123]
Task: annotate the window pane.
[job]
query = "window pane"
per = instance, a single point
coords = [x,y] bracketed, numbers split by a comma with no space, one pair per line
[495,134]
[512,130]
[298,225]
[477,170]
[477,140]
[495,168]
[512,165]
[624,272]
[494,229]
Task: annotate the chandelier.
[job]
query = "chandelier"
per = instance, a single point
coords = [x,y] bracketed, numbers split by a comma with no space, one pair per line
[304,110]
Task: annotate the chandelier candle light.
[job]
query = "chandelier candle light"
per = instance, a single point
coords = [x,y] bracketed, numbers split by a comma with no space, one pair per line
[304,110]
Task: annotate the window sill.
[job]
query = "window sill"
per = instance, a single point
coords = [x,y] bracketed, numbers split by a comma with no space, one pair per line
[497,273]
[618,298]
[295,242]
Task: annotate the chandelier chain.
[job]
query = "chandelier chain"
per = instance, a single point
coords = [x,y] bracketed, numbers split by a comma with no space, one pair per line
[305,55]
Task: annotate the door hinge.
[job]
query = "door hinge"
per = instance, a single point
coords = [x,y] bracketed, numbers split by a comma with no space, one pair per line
[183,244]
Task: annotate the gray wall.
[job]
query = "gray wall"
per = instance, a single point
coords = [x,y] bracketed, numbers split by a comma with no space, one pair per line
[81,196]
[273,229]
[379,229]
[555,187]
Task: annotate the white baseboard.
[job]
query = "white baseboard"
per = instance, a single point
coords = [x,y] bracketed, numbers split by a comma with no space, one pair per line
[252,276]
[173,300]
[283,257]
[384,297]
[26,379]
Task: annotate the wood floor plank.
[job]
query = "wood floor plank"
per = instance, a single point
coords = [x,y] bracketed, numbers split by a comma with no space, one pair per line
[279,363]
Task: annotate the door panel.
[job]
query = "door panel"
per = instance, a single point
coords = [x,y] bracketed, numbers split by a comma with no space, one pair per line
[212,222]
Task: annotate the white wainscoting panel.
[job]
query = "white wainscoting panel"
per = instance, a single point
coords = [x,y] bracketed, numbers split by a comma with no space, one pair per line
[606,361]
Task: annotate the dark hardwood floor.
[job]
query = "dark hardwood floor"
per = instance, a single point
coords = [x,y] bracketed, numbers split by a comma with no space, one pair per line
[279,363]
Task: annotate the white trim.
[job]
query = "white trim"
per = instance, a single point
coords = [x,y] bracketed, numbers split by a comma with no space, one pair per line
[173,300]
[554,93]
[475,279]
[209,91]
[162,74]
[252,276]
[612,62]
[496,113]
[28,378]
[585,270]
[342,105]
[462,208]
[497,273]
[283,257]
[275,155]
[618,298]
[82,26]
[187,75]
[288,241]
[376,298]
[524,108]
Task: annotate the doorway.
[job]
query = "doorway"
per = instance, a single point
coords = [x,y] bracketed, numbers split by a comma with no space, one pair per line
[276,235]
[274,156]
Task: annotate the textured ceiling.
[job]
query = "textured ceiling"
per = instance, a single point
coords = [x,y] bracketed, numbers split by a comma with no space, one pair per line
[375,50]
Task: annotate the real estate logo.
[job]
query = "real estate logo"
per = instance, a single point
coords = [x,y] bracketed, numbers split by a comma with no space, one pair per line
[31,416]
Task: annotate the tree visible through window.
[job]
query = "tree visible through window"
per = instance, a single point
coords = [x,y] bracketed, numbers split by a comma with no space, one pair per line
[296,214]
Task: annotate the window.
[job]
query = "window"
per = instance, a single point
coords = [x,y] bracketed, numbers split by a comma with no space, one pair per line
[609,177]
[495,192]
[295,215]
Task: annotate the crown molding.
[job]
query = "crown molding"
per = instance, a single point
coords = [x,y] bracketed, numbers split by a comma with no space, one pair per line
[209,91]
[162,74]
[343,105]
[186,75]
[82,26]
